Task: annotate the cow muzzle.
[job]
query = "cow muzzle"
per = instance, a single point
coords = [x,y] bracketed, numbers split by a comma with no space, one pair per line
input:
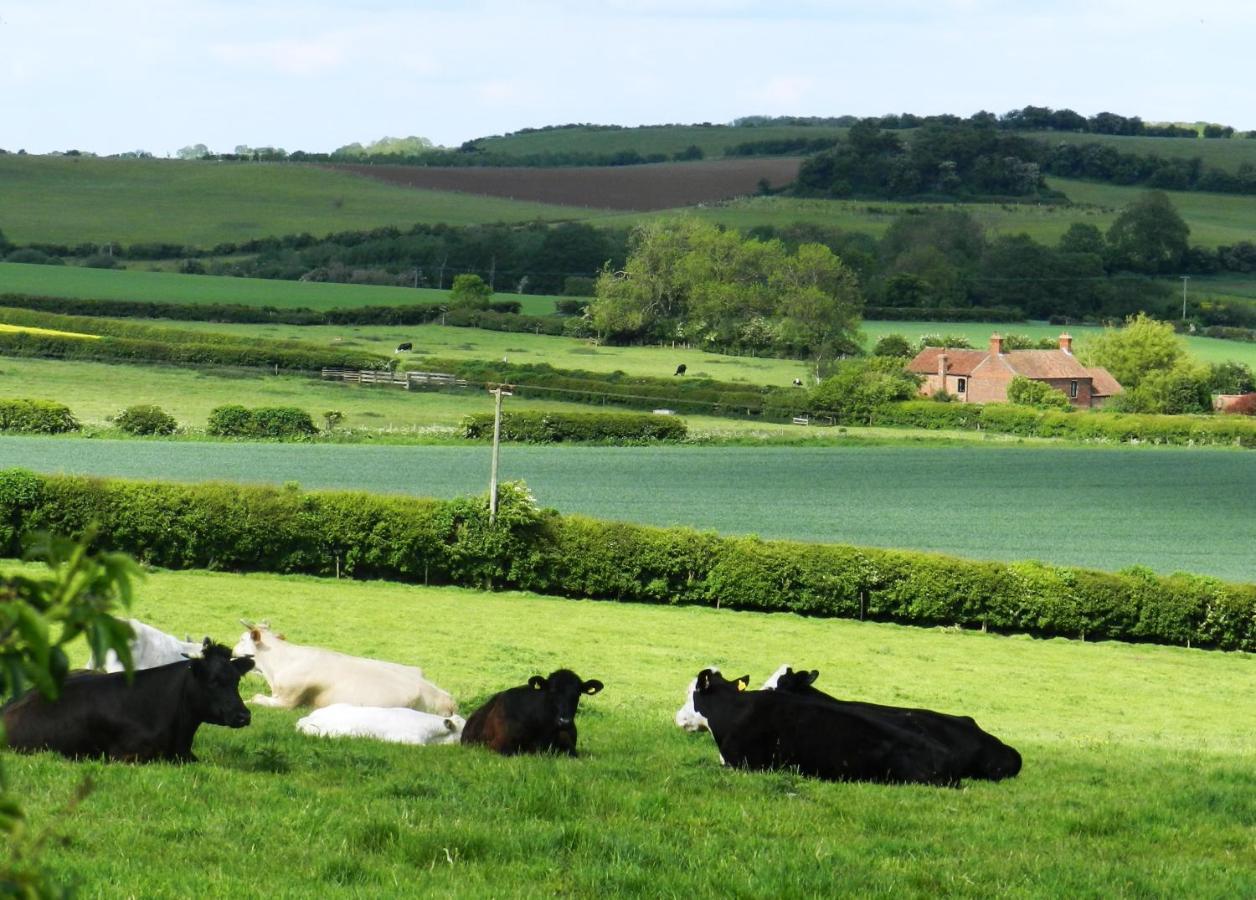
[241,718]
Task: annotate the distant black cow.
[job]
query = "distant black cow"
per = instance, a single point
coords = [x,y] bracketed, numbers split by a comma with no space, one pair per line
[408,345]
[680,369]
[797,382]
[975,753]
[153,718]
[537,717]
[779,730]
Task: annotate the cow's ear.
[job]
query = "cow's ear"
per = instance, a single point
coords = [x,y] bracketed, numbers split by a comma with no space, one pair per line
[255,635]
[451,725]
[704,680]
[243,664]
[743,682]
[206,644]
[537,682]
[810,677]
[592,686]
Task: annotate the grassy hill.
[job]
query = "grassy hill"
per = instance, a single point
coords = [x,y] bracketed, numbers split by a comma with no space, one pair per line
[72,200]
[1221,153]
[647,139]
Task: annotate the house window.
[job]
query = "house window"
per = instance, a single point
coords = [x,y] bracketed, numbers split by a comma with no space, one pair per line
[961,385]
[1072,389]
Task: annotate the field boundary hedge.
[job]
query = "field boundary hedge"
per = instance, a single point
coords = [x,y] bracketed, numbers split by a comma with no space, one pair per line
[249,528]
[1028,421]
[553,428]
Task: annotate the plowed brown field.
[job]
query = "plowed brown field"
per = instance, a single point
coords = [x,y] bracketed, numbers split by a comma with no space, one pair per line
[649,187]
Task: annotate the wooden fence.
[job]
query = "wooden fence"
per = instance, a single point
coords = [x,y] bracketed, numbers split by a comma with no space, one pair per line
[407,380]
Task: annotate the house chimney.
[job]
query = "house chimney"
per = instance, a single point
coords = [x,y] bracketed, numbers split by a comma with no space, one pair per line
[942,368]
[1066,343]
[996,344]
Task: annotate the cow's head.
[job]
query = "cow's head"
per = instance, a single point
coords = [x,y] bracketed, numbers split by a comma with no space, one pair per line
[563,688]
[216,677]
[453,731]
[710,681]
[689,718]
[256,638]
[795,682]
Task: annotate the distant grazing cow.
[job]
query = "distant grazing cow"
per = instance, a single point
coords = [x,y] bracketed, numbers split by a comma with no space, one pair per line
[407,345]
[775,729]
[150,647]
[155,717]
[395,725]
[681,369]
[537,717]
[975,753]
[311,676]
[797,382]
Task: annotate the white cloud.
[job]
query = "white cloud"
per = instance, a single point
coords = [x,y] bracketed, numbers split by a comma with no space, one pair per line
[291,57]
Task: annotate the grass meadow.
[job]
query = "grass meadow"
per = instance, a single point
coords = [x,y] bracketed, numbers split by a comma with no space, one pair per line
[1138,777]
[71,200]
[669,139]
[169,287]
[1221,153]
[1169,509]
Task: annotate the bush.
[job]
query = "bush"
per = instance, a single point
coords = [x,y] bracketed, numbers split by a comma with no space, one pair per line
[893,345]
[1028,392]
[145,419]
[236,527]
[36,416]
[552,428]
[281,422]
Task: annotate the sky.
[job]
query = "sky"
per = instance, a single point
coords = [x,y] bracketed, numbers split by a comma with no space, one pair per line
[315,75]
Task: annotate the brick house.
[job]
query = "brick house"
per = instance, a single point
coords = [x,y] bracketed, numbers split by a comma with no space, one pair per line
[983,376]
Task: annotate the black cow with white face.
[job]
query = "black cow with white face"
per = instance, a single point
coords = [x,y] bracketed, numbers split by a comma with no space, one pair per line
[536,717]
[774,729]
[976,753]
[155,717]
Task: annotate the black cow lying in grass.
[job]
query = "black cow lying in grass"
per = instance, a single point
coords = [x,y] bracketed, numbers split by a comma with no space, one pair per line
[536,717]
[775,729]
[153,718]
[681,369]
[976,753]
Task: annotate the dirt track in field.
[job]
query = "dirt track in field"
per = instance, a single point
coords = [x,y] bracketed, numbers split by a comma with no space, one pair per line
[645,188]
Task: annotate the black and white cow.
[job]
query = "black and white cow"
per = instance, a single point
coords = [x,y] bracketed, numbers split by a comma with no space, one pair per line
[536,717]
[773,729]
[154,717]
[975,753]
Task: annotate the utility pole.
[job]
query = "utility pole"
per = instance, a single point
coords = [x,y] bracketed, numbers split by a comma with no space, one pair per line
[1185,278]
[498,392]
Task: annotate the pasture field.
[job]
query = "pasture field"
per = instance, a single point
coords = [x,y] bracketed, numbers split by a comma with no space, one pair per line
[1108,508]
[70,200]
[1138,776]
[1220,153]
[30,329]
[169,287]
[669,139]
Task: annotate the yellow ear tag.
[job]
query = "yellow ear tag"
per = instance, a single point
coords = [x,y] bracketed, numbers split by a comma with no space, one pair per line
[741,685]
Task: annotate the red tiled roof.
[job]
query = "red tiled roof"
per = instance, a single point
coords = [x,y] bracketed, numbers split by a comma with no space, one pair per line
[1043,364]
[958,362]
[1103,384]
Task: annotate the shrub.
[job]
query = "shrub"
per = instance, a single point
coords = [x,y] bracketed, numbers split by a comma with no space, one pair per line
[263,422]
[236,527]
[1028,392]
[893,345]
[145,419]
[36,416]
[551,428]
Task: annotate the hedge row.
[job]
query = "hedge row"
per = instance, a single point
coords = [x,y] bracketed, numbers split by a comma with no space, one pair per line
[552,428]
[502,315]
[243,528]
[36,416]
[681,394]
[944,314]
[261,422]
[1030,422]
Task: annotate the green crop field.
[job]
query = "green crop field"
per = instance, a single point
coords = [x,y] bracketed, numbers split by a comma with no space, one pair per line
[668,139]
[1221,153]
[167,287]
[1106,508]
[72,200]
[1138,761]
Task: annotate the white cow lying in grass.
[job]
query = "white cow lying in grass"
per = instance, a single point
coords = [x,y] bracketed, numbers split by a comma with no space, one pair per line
[311,676]
[150,648]
[395,725]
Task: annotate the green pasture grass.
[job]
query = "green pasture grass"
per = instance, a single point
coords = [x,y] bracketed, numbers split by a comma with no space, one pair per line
[1218,153]
[1138,775]
[168,287]
[70,200]
[669,139]
[1178,509]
